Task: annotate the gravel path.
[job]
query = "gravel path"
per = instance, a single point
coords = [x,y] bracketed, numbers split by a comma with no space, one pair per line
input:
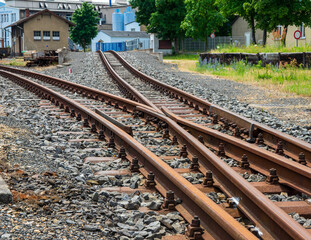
[56,195]
[285,112]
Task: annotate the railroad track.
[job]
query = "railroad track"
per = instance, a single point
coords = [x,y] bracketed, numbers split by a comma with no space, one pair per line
[260,156]
[190,106]
[226,180]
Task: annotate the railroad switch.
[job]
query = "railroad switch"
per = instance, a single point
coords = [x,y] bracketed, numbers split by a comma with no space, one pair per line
[169,202]
[208,180]
[122,153]
[260,140]
[194,230]
[150,183]
[302,159]
[134,166]
[244,162]
[272,177]
[194,166]
[183,151]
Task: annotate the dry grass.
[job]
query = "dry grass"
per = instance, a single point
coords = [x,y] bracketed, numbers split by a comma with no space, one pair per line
[18,62]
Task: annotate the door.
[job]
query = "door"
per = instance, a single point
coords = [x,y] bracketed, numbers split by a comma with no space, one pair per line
[20,44]
[247,38]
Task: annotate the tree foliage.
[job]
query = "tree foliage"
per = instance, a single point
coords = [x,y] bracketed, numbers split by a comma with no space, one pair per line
[166,20]
[271,13]
[86,20]
[242,8]
[144,9]
[202,19]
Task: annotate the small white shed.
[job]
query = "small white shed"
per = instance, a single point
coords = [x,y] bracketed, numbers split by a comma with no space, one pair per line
[108,36]
[132,27]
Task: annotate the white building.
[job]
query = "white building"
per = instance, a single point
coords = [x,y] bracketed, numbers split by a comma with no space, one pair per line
[108,36]
[8,15]
[132,27]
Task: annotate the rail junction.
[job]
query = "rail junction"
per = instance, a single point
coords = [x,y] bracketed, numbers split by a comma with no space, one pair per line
[207,137]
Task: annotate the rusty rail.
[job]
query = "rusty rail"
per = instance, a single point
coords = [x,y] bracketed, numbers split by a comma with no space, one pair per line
[292,146]
[127,87]
[286,227]
[291,173]
[125,104]
[273,221]
[214,219]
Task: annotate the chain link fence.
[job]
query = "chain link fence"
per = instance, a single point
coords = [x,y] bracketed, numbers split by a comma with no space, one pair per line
[137,44]
[192,45]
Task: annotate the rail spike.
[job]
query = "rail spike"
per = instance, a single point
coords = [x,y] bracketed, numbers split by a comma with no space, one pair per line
[194,230]
[169,202]
[272,178]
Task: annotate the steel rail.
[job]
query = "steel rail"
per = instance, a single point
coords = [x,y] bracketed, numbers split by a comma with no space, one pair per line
[214,219]
[125,104]
[256,206]
[290,173]
[226,190]
[127,87]
[292,146]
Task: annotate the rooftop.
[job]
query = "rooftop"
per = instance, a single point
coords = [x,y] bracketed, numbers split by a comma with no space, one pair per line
[125,34]
[39,13]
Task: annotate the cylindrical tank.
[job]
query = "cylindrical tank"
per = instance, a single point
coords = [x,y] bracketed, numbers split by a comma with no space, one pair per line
[129,16]
[117,21]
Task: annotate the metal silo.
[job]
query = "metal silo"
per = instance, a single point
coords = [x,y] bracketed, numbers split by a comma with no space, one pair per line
[129,16]
[117,21]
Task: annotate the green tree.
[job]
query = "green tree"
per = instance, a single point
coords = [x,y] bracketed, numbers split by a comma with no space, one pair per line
[144,9]
[166,20]
[202,19]
[243,8]
[86,20]
[271,13]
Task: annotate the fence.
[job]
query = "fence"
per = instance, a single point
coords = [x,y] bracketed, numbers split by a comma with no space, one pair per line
[299,59]
[137,44]
[192,45]
[117,46]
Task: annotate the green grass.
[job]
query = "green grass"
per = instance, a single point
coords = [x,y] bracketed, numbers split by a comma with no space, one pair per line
[260,49]
[290,79]
[182,57]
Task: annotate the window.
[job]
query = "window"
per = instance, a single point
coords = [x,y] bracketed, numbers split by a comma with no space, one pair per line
[1,17]
[56,35]
[277,33]
[13,17]
[132,29]
[37,35]
[46,35]
[303,31]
